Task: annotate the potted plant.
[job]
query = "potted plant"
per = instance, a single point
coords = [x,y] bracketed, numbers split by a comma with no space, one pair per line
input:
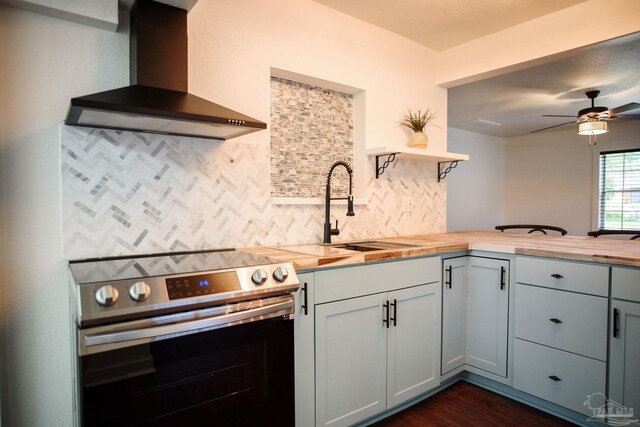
[417,121]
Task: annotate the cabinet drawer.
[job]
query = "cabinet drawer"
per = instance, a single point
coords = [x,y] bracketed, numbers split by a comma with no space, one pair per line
[576,377]
[564,275]
[579,322]
[625,283]
[349,282]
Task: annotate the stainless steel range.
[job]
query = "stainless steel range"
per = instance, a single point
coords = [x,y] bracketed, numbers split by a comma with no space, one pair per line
[197,338]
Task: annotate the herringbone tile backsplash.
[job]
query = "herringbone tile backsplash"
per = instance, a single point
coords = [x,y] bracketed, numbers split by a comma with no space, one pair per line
[130,192]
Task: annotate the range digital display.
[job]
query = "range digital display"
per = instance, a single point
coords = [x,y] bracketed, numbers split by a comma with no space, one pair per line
[202,284]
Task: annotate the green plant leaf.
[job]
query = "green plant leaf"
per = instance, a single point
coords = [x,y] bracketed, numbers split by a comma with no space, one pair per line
[417,121]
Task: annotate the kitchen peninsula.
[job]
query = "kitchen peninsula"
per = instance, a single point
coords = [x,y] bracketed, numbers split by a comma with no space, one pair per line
[620,252]
[548,321]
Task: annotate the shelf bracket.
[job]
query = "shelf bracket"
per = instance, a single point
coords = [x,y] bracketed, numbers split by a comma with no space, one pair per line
[442,173]
[380,169]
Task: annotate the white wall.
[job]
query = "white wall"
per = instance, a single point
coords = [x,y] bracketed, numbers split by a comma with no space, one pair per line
[537,41]
[99,14]
[44,63]
[476,188]
[552,177]
[233,49]
[233,45]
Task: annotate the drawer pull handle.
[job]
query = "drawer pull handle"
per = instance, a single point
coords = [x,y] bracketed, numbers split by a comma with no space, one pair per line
[394,304]
[557,276]
[554,320]
[502,271]
[554,378]
[385,306]
[450,277]
[305,303]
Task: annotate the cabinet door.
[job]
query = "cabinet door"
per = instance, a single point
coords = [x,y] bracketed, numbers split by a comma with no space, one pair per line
[453,302]
[303,350]
[564,378]
[413,349]
[351,360]
[564,320]
[487,304]
[624,369]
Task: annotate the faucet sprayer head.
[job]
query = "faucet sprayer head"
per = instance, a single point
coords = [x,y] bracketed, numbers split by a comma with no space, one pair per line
[350,206]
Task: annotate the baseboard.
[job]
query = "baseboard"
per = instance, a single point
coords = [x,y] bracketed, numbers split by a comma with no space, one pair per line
[443,385]
[529,400]
[495,387]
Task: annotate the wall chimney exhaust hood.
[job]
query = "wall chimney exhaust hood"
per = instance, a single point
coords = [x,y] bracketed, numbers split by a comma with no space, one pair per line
[157,100]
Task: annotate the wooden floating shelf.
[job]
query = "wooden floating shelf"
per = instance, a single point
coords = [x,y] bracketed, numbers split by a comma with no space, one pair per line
[391,152]
[417,154]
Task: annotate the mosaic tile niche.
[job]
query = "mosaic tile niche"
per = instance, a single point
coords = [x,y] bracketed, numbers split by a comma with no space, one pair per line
[129,193]
[311,128]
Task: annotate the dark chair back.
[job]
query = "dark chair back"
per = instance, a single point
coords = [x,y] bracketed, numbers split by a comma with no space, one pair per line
[635,234]
[532,228]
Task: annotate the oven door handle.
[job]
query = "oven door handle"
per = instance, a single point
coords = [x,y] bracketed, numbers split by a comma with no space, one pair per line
[107,338]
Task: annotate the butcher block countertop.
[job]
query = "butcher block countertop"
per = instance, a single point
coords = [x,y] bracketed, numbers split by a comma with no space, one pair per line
[600,250]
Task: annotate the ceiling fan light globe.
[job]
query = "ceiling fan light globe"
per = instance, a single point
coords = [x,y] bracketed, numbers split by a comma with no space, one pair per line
[593,128]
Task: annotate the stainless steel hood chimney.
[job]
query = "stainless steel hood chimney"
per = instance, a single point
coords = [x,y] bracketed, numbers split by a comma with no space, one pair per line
[157,100]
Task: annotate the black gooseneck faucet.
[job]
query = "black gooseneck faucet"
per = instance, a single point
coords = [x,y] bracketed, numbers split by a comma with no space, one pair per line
[328,231]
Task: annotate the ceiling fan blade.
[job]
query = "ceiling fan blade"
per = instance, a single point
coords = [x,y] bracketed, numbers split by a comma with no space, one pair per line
[628,117]
[554,126]
[556,115]
[627,107]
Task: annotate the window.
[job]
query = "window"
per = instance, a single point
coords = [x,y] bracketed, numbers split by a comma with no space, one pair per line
[620,190]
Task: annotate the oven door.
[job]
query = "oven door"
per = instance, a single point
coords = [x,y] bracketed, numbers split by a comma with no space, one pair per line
[224,366]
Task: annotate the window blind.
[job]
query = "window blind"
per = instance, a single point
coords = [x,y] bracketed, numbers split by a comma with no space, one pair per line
[620,190]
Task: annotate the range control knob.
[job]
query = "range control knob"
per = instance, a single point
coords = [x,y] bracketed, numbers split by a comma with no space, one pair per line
[259,277]
[281,274]
[139,291]
[107,295]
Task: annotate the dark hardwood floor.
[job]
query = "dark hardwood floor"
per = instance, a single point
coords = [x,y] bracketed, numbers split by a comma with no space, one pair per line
[465,404]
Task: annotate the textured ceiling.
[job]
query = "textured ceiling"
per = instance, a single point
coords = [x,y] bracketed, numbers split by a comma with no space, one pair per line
[511,104]
[517,100]
[440,24]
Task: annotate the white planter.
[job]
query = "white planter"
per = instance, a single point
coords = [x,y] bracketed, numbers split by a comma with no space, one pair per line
[418,140]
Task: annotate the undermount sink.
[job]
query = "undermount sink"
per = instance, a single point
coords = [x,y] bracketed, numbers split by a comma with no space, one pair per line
[341,249]
[370,245]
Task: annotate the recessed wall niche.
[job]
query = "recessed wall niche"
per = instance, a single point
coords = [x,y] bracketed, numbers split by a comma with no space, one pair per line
[311,128]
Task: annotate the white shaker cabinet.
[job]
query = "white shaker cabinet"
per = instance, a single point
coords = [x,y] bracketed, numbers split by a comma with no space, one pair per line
[475,314]
[487,314]
[454,285]
[560,349]
[303,326]
[375,351]
[413,350]
[351,360]
[624,350]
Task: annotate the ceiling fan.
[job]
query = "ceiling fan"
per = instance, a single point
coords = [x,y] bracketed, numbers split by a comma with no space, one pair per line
[593,120]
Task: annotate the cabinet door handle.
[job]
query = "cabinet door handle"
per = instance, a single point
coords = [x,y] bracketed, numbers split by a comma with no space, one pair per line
[448,282]
[554,378]
[616,323]
[555,320]
[394,304]
[385,319]
[305,301]
[557,276]
[502,284]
